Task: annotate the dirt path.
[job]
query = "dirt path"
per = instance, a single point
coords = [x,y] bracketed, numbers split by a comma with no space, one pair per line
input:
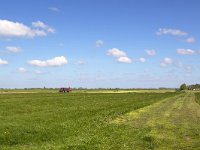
[173,123]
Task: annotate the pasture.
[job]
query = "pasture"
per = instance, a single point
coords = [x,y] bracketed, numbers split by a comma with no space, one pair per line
[7,91]
[96,121]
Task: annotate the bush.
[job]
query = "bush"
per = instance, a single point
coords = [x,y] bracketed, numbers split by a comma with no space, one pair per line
[183,87]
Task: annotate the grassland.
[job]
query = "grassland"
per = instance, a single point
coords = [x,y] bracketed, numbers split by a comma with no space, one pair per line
[78,121]
[8,91]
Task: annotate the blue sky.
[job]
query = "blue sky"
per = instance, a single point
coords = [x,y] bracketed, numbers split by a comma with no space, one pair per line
[99,43]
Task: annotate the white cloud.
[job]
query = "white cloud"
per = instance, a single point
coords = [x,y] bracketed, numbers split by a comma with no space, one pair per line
[142,60]
[174,32]
[54,9]
[39,24]
[54,62]
[3,62]
[13,49]
[151,52]
[190,40]
[116,52]
[9,29]
[120,55]
[21,70]
[99,43]
[166,61]
[124,59]
[183,51]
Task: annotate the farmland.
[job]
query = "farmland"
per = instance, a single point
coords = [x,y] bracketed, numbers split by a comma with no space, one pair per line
[95,120]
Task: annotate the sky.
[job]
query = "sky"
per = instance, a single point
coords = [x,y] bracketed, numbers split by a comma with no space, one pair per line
[99,43]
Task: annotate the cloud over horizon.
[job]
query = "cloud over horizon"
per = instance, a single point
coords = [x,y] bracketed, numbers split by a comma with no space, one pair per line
[3,62]
[21,70]
[190,40]
[54,62]
[142,60]
[39,24]
[166,61]
[182,51]
[151,52]
[13,49]
[176,32]
[124,59]
[168,31]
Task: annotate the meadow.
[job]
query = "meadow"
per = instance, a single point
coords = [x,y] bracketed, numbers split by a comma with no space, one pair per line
[97,121]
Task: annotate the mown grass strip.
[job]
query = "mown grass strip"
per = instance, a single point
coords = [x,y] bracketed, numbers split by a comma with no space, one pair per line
[197,99]
[169,124]
[139,113]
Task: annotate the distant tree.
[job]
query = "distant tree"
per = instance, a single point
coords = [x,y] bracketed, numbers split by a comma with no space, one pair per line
[194,87]
[183,87]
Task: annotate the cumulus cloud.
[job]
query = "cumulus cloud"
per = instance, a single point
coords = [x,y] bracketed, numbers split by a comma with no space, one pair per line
[116,52]
[142,60]
[120,55]
[190,40]
[39,24]
[168,31]
[13,49]
[151,52]
[124,59]
[54,9]
[167,61]
[183,51]
[9,29]
[3,62]
[99,43]
[54,62]
[21,70]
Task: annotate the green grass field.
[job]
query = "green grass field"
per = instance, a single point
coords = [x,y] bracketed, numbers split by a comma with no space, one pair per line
[81,121]
[6,91]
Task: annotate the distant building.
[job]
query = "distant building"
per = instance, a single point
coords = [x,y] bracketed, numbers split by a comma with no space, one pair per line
[194,87]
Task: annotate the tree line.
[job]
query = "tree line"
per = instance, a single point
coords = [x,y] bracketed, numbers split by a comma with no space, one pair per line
[189,87]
